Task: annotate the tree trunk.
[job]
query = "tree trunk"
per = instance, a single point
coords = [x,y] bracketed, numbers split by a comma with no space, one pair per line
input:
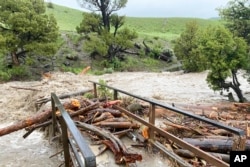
[235,85]
[14,58]
[236,88]
[39,118]
[215,145]
[105,15]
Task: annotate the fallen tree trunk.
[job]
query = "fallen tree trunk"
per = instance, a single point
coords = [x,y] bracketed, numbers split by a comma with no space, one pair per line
[215,145]
[39,118]
[189,154]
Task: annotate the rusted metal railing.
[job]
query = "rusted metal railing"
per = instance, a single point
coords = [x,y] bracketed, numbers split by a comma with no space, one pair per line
[240,145]
[81,152]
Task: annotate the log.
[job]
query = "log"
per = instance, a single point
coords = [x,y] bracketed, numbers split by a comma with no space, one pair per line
[103,116]
[30,129]
[189,154]
[83,110]
[111,103]
[16,87]
[120,119]
[115,113]
[118,125]
[172,155]
[243,106]
[100,132]
[223,157]
[177,126]
[215,145]
[221,132]
[121,133]
[114,143]
[38,118]
[63,96]
[184,153]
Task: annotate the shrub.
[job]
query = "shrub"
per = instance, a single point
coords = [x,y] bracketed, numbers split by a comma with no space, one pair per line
[50,5]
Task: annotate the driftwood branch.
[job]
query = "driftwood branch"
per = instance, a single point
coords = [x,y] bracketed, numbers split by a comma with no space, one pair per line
[63,96]
[16,87]
[32,128]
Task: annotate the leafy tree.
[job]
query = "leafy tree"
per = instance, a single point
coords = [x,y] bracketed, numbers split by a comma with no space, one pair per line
[26,29]
[226,55]
[103,28]
[2,42]
[105,7]
[237,15]
[186,51]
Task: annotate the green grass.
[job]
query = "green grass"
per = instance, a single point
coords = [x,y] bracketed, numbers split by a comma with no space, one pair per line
[165,28]
[67,18]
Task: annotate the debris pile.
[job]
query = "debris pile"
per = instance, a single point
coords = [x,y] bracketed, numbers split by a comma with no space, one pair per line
[106,125]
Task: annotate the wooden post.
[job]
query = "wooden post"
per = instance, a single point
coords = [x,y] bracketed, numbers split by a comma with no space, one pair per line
[95,90]
[151,120]
[115,95]
[65,142]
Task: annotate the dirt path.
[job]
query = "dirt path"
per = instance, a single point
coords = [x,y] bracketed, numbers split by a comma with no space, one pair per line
[17,104]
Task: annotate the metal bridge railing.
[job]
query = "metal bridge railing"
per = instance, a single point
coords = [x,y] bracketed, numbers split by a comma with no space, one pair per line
[238,145]
[71,138]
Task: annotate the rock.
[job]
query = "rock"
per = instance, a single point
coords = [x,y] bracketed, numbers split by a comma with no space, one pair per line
[134,107]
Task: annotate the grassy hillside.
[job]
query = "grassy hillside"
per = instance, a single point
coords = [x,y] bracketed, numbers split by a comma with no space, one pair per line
[67,18]
[166,28]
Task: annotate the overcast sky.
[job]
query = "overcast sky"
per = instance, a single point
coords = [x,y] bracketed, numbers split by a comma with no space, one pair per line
[163,8]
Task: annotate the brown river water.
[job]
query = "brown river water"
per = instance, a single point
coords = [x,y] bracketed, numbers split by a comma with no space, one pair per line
[35,150]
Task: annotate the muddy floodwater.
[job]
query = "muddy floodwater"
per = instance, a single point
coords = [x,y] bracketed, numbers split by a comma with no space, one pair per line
[35,151]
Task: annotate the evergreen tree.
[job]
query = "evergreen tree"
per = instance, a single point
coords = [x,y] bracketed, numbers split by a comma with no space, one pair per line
[186,49]
[237,17]
[26,29]
[226,55]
